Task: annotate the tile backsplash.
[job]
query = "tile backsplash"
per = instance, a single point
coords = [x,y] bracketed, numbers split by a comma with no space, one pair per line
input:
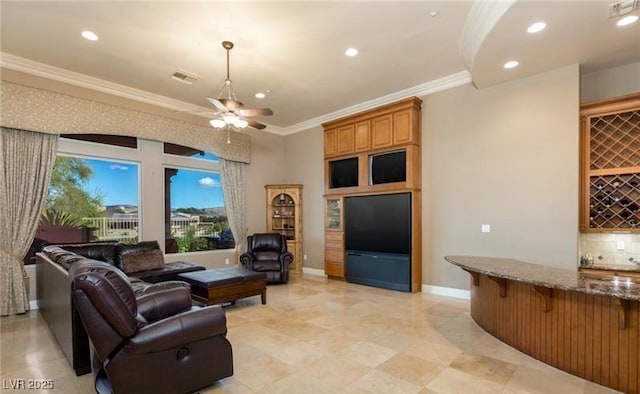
[606,245]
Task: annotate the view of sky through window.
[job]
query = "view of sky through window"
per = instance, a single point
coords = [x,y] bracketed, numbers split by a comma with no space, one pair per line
[197,189]
[116,181]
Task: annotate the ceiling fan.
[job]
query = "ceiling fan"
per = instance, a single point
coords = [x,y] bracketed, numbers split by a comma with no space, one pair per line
[230,111]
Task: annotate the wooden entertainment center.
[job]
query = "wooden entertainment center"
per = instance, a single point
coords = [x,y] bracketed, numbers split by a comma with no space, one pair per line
[354,141]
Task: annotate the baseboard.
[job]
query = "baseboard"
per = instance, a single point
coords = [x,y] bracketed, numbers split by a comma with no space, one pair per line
[313,271]
[33,305]
[447,291]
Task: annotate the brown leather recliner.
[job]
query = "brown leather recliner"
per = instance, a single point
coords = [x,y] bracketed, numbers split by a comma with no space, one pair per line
[158,343]
[268,253]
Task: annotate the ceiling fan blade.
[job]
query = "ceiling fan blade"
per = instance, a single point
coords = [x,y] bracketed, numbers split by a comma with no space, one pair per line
[231,105]
[256,125]
[255,111]
[216,103]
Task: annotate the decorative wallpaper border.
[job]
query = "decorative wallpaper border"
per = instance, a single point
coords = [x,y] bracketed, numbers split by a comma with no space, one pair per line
[28,108]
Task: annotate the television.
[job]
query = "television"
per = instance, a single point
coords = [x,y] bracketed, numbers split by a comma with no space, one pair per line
[378,223]
[388,167]
[343,173]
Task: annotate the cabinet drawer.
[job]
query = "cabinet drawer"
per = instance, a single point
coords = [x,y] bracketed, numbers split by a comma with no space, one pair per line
[333,244]
[332,269]
[333,236]
[334,255]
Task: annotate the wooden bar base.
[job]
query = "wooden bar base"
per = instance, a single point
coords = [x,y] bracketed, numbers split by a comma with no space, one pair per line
[594,337]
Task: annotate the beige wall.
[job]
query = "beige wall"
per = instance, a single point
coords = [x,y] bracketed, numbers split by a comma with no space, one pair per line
[267,166]
[505,156]
[305,161]
[612,82]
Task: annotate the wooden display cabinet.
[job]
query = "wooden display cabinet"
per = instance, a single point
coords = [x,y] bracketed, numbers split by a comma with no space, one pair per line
[334,237]
[386,129]
[284,216]
[610,165]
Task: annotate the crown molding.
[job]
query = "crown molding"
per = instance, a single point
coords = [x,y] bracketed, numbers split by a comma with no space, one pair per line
[437,85]
[62,75]
[17,63]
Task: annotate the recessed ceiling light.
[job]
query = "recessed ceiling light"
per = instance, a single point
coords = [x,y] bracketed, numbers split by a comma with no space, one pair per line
[351,52]
[536,27]
[434,14]
[260,95]
[627,20]
[511,64]
[89,35]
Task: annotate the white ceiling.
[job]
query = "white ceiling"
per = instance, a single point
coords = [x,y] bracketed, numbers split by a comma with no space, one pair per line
[296,49]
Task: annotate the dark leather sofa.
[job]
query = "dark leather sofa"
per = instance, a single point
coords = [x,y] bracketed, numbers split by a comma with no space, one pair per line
[131,338]
[267,252]
[53,288]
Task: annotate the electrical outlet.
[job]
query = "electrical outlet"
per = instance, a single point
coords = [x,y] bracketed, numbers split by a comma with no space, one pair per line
[485,228]
[620,245]
[226,261]
[304,257]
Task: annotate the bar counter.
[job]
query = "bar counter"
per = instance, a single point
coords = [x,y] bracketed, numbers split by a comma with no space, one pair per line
[587,325]
[555,278]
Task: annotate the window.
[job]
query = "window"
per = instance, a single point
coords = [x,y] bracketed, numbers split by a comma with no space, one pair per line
[91,200]
[98,194]
[195,216]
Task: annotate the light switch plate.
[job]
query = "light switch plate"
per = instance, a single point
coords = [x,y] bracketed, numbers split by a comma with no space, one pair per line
[485,228]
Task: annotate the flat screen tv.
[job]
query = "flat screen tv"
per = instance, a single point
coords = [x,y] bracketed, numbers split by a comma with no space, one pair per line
[388,167]
[343,173]
[380,223]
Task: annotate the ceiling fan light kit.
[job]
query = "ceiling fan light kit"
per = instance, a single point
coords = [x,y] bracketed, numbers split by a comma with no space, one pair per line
[230,112]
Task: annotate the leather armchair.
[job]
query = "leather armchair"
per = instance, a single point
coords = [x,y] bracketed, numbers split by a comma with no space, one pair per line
[157,343]
[268,253]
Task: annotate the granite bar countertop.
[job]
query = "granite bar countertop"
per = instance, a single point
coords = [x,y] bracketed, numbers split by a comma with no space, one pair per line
[555,278]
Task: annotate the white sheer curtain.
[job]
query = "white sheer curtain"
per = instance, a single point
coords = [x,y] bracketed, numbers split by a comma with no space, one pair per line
[26,163]
[234,189]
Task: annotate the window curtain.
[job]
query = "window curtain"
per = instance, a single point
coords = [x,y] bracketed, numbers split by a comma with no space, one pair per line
[26,163]
[234,190]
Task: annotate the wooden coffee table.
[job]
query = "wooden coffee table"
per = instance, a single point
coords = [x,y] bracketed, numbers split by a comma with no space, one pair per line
[215,286]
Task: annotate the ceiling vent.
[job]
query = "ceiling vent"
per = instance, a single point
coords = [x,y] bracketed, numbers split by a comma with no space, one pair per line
[185,77]
[623,7]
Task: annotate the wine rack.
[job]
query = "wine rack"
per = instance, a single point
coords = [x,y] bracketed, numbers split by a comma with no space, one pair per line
[615,201]
[615,140]
[610,168]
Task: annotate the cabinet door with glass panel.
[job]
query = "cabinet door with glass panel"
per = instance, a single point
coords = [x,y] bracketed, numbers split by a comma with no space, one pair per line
[334,237]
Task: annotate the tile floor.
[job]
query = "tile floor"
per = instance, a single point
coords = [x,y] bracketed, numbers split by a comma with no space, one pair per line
[321,336]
